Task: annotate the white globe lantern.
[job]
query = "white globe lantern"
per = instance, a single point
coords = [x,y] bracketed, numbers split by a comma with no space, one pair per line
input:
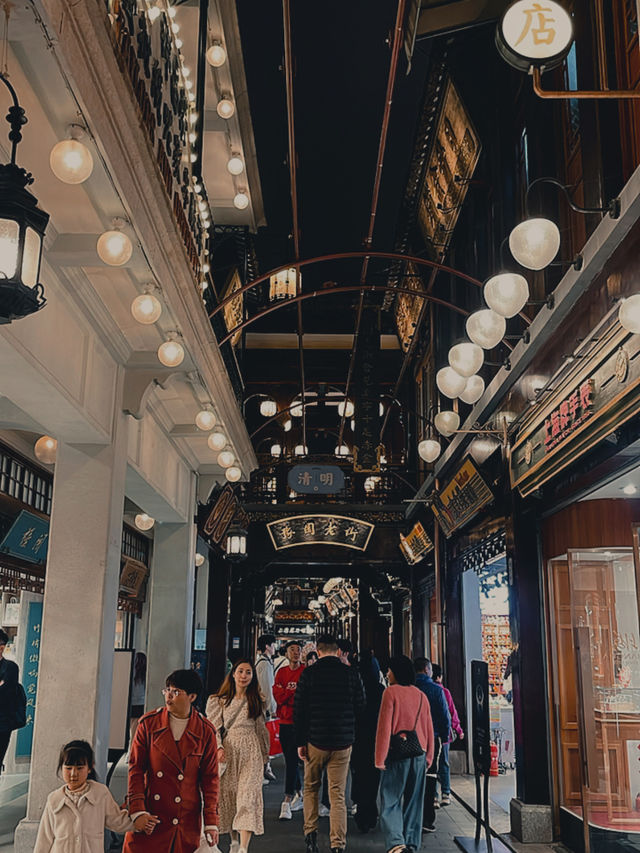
[447,423]
[171,353]
[346,409]
[449,382]
[629,314]
[226,459]
[144,521]
[217,441]
[114,248]
[216,55]
[241,201]
[474,389]
[486,328]
[268,408]
[341,450]
[205,420]
[276,450]
[535,243]
[235,165]
[46,449]
[71,161]
[300,450]
[507,293]
[466,359]
[429,449]
[233,474]
[225,107]
[295,411]
[199,560]
[146,309]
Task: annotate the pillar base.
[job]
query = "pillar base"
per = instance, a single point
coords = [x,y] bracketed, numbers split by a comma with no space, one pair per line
[24,839]
[531,824]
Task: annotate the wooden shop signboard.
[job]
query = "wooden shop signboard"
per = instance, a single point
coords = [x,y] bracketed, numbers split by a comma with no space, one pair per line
[320,530]
[461,498]
[599,392]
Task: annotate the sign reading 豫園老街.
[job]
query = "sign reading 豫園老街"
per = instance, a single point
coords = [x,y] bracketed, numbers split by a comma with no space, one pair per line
[316,479]
[461,498]
[535,32]
[320,530]
[29,675]
[28,537]
[597,394]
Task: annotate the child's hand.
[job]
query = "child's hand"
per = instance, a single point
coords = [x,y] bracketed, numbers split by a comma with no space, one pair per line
[145,823]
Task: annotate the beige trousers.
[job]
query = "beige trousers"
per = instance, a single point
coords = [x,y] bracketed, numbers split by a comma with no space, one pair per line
[337,766]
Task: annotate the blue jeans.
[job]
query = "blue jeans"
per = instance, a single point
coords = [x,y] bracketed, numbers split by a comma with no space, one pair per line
[402,796]
[444,774]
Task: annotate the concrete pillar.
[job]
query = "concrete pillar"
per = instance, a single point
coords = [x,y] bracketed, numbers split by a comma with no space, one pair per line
[217,621]
[170,605]
[78,623]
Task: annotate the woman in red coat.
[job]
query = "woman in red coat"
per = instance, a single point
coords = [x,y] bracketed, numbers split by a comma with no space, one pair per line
[173,772]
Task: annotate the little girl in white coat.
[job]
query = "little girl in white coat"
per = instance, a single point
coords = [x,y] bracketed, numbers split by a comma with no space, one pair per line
[76,815]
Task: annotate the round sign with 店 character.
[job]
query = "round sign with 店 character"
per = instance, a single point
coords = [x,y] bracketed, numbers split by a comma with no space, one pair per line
[535,33]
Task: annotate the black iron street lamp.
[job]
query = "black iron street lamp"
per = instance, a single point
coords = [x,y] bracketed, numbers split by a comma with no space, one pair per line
[236,546]
[22,227]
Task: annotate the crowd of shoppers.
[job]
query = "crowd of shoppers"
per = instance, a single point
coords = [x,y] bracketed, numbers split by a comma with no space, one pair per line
[195,777]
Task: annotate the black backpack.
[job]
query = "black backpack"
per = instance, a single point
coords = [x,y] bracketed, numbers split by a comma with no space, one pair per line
[20,716]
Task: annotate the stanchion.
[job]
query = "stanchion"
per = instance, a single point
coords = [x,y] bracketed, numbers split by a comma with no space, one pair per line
[481,764]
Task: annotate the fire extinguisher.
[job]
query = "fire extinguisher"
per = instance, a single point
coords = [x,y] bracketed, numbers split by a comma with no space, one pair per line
[494,770]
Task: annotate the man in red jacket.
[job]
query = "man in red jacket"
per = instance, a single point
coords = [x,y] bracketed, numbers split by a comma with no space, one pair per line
[284,691]
[173,772]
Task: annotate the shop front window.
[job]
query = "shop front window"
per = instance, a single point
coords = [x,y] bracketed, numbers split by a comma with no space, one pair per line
[596,640]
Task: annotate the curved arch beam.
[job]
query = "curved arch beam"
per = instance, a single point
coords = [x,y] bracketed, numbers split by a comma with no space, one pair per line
[330,291]
[340,256]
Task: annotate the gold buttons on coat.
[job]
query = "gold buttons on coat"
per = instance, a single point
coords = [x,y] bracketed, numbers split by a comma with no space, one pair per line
[159,774]
[174,821]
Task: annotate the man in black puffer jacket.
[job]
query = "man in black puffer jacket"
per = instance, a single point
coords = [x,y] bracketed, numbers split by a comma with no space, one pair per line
[328,705]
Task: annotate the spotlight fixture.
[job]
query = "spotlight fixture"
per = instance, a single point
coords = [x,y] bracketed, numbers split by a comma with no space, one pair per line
[70,160]
[46,449]
[22,227]
[114,247]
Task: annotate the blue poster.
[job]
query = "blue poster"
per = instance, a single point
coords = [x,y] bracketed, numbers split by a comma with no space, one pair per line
[29,675]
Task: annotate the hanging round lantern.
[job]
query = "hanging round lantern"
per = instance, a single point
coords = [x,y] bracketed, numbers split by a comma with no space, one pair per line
[466,358]
[506,293]
[449,382]
[447,423]
[429,449]
[486,328]
[474,389]
[535,243]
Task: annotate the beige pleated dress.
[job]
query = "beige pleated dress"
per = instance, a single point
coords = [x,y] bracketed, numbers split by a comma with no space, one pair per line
[246,748]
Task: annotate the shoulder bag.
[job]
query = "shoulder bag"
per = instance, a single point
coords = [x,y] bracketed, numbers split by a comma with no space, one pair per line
[406,744]
[224,729]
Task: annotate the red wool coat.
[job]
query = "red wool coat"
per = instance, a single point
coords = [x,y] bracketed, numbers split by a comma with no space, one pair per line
[173,781]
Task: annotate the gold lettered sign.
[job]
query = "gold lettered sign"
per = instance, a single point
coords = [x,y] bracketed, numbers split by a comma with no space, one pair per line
[461,499]
[132,578]
[320,530]
[416,544]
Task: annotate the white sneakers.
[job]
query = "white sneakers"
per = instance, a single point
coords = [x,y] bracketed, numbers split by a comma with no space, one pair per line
[297,804]
[323,811]
[235,847]
[285,812]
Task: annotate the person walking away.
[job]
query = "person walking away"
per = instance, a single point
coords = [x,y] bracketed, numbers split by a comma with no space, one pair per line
[284,691]
[312,657]
[441,726]
[9,678]
[328,705]
[404,748]
[365,777]
[280,658]
[173,771]
[444,770]
[237,712]
[82,808]
[266,676]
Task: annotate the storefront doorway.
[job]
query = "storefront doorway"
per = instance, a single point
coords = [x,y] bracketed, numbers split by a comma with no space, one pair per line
[595,647]
[487,631]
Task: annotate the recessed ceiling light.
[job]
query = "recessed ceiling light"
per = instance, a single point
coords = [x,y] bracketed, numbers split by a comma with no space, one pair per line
[630,489]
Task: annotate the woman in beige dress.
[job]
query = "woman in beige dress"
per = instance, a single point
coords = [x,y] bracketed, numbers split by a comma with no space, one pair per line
[237,712]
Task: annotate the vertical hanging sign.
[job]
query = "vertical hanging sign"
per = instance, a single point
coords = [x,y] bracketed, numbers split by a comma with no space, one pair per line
[30,668]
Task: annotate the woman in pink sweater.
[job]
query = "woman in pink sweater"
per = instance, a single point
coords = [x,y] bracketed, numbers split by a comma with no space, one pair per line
[404,708]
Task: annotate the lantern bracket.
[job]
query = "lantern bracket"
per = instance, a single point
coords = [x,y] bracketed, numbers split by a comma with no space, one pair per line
[613,208]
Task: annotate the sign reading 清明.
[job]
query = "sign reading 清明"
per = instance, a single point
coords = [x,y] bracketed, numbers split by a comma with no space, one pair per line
[416,544]
[316,479]
[461,499]
[320,530]
[535,32]
[598,393]
[28,538]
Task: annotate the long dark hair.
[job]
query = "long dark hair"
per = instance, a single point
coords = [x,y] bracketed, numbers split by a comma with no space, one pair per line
[76,753]
[140,668]
[254,698]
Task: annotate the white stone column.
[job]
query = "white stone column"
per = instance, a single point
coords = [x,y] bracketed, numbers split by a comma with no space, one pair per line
[171,605]
[78,623]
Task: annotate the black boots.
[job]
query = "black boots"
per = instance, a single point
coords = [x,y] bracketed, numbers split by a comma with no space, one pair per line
[311,841]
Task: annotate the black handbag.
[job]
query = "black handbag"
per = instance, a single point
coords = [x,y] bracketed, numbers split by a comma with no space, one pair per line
[406,744]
